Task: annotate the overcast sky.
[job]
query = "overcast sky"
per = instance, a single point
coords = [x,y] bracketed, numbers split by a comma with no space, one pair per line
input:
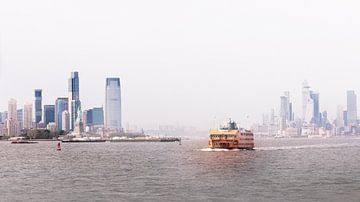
[182,62]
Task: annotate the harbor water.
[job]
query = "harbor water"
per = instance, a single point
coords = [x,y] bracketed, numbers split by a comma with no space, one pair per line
[277,170]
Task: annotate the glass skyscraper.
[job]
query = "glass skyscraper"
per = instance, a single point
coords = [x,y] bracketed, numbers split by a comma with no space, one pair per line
[98,116]
[61,105]
[113,104]
[316,111]
[351,108]
[38,106]
[20,118]
[74,98]
[89,117]
[49,114]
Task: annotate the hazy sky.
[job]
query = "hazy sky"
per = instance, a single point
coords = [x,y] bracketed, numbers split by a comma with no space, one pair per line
[181,61]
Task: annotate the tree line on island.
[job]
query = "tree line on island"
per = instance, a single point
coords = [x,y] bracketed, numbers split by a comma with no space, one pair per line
[41,134]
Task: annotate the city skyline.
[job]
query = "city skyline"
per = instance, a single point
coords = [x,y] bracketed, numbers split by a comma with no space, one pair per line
[285,109]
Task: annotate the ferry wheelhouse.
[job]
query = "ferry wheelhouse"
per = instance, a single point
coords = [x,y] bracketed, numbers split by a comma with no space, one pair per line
[231,137]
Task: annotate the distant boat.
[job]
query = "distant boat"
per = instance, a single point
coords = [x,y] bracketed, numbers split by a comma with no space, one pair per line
[231,137]
[21,140]
[146,139]
[83,140]
[315,136]
[279,136]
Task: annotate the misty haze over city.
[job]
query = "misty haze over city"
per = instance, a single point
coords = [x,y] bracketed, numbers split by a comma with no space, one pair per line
[192,100]
[182,62]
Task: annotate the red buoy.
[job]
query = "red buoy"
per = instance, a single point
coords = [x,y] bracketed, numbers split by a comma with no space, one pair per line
[58,146]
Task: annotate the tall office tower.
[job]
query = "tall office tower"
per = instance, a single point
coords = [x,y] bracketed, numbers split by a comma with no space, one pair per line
[89,118]
[98,117]
[38,106]
[11,122]
[65,121]
[345,115]
[49,114]
[291,112]
[61,105]
[339,117]
[12,109]
[3,129]
[351,108]
[307,104]
[316,108]
[28,116]
[113,104]
[94,118]
[4,116]
[12,127]
[324,119]
[283,112]
[84,117]
[74,98]
[20,118]
[286,113]
[272,116]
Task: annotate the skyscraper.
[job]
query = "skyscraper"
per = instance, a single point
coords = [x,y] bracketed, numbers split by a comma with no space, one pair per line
[38,106]
[65,121]
[340,117]
[74,98]
[306,101]
[351,108]
[28,116]
[89,118]
[94,118]
[98,117]
[283,112]
[4,116]
[113,104]
[61,105]
[12,127]
[316,108]
[286,113]
[11,122]
[49,114]
[345,115]
[85,117]
[12,109]
[291,112]
[20,118]
[308,104]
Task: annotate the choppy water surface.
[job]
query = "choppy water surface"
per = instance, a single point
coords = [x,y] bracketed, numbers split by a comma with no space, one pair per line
[278,170]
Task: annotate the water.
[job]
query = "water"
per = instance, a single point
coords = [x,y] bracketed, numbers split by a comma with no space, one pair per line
[278,170]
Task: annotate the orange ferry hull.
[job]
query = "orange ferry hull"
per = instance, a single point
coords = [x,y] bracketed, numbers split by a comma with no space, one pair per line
[232,144]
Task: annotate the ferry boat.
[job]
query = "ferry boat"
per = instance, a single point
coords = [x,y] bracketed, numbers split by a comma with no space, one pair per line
[21,140]
[83,140]
[146,139]
[231,137]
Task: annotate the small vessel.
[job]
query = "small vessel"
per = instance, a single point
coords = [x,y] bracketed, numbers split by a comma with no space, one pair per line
[231,137]
[21,140]
[146,139]
[83,140]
